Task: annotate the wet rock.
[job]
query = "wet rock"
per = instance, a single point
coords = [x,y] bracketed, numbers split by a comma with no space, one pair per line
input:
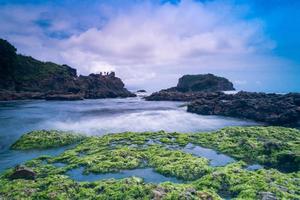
[180,96]
[158,193]
[288,161]
[64,97]
[273,109]
[267,196]
[142,91]
[6,95]
[22,172]
[205,196]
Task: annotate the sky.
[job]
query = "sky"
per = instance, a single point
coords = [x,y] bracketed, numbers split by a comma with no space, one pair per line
[152,43]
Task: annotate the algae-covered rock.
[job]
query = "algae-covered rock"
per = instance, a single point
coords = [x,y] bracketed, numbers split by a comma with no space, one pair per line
[22,172]
[46,139]
[163,152]
[276,147]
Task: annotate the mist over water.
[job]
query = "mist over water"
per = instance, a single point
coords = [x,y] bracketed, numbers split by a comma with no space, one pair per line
[98,117]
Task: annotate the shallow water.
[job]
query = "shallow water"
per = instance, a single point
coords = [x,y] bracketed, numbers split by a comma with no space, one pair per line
[96,117]
[148,175]
[216,159]
[254,167]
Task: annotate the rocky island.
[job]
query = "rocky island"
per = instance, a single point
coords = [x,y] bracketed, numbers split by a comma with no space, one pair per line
[23,77]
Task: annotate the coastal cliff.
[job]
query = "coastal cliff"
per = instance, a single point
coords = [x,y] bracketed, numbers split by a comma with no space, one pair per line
[23,77]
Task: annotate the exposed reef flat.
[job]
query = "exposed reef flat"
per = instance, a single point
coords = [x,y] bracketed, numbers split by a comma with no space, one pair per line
[46,139]
[164,153]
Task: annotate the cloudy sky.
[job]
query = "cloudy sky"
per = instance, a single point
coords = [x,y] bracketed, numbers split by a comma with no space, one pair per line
[151,43]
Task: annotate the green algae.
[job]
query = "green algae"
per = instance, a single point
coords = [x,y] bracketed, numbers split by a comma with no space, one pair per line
[275,147]
[46,139]
[161,151]
[239,183]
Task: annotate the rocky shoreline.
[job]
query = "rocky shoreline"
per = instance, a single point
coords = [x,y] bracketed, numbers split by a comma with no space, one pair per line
[273,109]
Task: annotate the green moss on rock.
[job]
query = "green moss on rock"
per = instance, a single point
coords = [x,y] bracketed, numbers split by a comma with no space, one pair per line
[162,152]
[46,139]
[276,147]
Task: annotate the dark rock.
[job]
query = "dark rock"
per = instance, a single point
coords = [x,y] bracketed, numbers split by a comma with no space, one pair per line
[267,196]
[22,172]
[23,77]
[98,86]
[12,95]
[141,91]
[182,96]
[159,193]
[288,161]
[65,97]
[273,109]
[203,83]
[192,87]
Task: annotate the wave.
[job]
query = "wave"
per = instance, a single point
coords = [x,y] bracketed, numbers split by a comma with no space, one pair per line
[167,120]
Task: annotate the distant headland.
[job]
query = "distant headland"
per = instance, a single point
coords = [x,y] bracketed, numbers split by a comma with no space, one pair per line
[23,77]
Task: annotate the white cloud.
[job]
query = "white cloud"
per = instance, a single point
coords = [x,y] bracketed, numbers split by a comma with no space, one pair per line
[149,45]
[167,39]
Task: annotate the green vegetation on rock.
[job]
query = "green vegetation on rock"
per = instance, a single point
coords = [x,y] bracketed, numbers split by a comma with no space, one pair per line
[162,152]
[46,139]
[276,147]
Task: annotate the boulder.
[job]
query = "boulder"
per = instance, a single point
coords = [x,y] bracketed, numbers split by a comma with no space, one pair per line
[267,196]
[22,172]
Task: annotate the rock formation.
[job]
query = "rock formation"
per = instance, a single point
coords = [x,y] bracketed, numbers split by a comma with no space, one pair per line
[22,172]
[23,77]
[203,83]
[191,87]
[141,91]
[275,109]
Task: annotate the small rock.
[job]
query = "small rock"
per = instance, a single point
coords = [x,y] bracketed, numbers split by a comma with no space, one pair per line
[158,193]
[22,172]
[267,196]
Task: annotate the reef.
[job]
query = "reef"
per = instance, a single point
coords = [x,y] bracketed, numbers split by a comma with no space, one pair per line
[23,77]
[46,139]
[270,108]
[275,147]
[164,152]
[274,109]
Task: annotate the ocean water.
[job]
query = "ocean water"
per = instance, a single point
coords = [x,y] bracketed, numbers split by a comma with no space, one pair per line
[97,117]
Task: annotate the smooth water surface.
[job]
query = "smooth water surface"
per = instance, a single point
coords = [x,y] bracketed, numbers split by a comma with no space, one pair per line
[215,158]
[147,174]
[97,117]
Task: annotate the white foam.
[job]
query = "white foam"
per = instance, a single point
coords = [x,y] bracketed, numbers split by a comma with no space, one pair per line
[167,120]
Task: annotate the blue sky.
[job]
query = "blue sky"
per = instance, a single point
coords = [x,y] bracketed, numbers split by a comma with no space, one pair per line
[150,44]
